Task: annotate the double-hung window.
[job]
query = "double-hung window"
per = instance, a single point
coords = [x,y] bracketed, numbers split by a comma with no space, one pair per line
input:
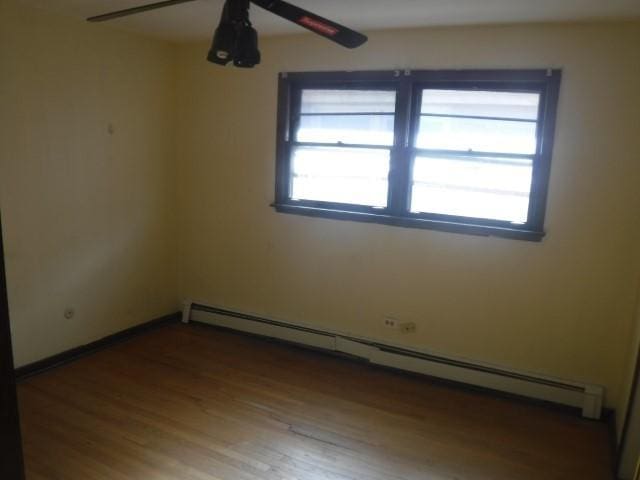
[463,151]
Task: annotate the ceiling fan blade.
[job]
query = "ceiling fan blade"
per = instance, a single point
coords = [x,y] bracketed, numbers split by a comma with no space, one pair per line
[317,24]
[132,11]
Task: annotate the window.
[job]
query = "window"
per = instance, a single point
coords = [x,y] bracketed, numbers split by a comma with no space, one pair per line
[462,151]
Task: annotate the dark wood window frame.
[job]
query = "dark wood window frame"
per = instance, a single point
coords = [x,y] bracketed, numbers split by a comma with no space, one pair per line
[409,86]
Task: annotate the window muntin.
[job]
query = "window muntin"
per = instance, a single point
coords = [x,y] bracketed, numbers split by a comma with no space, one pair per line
[450,150]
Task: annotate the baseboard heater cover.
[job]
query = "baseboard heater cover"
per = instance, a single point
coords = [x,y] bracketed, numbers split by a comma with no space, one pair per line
[588,398]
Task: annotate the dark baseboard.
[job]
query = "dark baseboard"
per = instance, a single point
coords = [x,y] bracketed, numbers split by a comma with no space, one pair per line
[65,357]
[609,416]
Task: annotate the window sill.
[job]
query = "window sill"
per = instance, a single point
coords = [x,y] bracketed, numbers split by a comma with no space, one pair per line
[411,222]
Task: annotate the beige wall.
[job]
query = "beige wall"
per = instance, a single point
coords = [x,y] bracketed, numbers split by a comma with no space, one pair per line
[87,215]
[563,307]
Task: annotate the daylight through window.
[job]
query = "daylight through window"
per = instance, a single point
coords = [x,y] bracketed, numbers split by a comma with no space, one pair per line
[465,151]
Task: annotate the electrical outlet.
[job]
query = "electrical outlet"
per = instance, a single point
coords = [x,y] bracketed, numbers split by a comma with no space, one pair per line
[407,327]
[391,322]
[402,327]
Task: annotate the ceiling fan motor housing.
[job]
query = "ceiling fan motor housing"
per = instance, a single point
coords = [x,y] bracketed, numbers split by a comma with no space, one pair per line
[235,38]
[224,44]
[247,54]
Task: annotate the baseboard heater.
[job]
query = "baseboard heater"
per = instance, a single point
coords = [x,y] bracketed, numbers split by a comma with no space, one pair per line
[588,398]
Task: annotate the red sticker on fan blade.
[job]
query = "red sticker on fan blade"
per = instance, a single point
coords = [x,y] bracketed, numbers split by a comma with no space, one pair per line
[318,26]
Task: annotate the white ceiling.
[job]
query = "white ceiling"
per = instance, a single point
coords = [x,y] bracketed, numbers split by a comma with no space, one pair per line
[196,21]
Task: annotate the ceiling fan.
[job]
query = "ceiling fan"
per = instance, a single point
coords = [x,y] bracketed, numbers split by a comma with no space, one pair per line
[236,40]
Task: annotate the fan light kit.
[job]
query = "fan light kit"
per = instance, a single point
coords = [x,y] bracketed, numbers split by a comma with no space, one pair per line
[235,40]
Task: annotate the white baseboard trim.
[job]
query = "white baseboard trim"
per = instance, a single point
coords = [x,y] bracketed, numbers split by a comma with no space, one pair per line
[588,398]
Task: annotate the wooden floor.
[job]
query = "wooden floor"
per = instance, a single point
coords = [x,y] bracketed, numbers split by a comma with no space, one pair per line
[192,402]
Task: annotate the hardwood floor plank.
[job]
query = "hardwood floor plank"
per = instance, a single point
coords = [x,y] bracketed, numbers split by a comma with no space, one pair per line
[194,403]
